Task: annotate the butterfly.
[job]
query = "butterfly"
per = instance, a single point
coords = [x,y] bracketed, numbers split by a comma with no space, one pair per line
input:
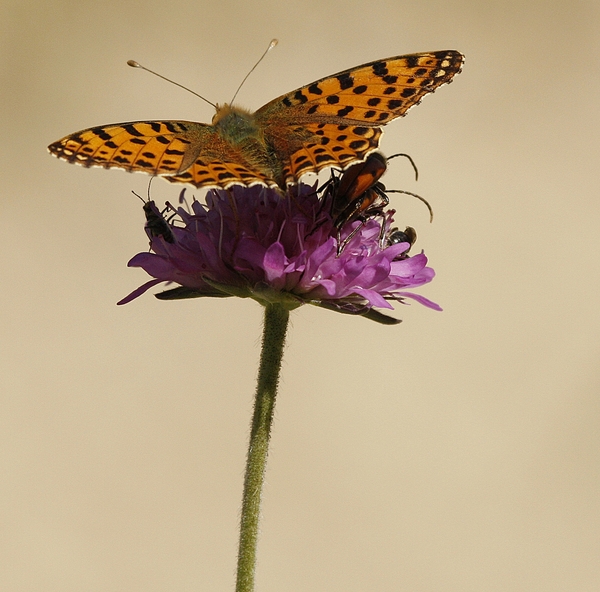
[335,121]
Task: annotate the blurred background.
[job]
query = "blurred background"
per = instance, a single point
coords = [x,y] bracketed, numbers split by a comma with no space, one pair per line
[458,451]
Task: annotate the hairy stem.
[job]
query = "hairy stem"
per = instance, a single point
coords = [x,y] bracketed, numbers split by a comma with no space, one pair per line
[275,327]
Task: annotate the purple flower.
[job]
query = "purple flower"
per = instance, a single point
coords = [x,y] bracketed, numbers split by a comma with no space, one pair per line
[253,242]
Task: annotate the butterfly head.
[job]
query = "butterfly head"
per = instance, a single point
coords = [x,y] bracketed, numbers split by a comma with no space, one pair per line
[235,124]
[227,112]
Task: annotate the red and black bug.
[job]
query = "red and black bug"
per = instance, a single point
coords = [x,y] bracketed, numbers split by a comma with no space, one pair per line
[357,194]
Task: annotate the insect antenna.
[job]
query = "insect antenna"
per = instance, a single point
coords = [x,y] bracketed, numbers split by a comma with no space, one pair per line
[414,195]
[147,191]
[135,64]
[138,195]
[273,43]
[414,166]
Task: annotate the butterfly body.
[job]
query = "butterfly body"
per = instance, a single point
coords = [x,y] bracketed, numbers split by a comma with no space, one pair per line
[240,129]
[335,121]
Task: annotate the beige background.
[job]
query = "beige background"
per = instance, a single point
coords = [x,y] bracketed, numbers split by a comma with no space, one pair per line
[458,452]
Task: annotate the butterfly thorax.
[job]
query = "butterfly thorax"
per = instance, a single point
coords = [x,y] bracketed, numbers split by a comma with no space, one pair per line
[242,131]
[235,124]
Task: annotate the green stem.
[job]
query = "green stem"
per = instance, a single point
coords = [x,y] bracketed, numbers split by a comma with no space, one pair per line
[275,327]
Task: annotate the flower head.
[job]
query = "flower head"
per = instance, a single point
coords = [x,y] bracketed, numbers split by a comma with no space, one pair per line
[253,242]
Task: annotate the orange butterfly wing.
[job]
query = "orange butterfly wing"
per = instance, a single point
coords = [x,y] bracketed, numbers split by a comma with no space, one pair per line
[343,113]
[179,151]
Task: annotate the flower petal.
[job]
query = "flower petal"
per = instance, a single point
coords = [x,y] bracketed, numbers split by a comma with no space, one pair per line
[255,242]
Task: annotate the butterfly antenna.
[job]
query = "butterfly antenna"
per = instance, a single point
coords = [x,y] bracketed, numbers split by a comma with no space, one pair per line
[135,64]
[273,43]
